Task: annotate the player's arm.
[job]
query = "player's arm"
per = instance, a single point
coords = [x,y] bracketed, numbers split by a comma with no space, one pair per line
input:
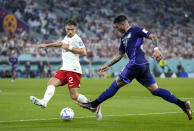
[115,59]
[156,52]
[80,51]
[154,39]
[55,44]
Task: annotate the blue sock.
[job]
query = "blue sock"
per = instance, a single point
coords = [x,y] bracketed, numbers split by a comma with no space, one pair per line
[166,95]
[108,92]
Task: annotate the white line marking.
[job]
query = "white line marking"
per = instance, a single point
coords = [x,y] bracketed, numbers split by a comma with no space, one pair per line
[81,117]
[27,120]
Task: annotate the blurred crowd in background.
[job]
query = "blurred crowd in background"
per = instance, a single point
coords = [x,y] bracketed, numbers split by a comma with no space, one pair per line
[171,21]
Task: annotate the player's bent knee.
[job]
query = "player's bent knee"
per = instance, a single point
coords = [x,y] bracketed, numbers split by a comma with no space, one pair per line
[120,82]
[54,81]
[152,88]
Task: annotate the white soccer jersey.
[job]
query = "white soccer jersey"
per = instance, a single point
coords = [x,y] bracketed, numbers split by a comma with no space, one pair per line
[70,59]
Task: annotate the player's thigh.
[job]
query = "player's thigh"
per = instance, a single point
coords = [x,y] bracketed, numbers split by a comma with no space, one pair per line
[73,84]
[146,79]
[54,81]
[127,75]
[74,93]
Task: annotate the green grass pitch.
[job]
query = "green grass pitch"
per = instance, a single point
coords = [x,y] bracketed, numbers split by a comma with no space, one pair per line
[132,108]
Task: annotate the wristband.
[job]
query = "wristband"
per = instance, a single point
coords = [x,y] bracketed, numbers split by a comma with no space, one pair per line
[156,48]
[70,48]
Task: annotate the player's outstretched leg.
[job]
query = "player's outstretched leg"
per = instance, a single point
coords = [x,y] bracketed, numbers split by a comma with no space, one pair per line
[111,91]
[50,91]
[82,99]
[166,95]
[94,106]
[47,96]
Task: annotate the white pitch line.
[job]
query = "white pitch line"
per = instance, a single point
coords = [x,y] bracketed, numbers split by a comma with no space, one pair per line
[28,120]
[81,117]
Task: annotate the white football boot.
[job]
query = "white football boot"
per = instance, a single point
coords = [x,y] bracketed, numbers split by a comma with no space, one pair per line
[188,110]
[98,113]
[95,110]
[38,102]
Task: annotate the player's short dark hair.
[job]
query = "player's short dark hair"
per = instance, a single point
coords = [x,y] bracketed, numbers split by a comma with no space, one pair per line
[70,22]
[119,19]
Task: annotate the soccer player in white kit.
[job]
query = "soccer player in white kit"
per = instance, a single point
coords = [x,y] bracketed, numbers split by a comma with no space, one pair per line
[70,72]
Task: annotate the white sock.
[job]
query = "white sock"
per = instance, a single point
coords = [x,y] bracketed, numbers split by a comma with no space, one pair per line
[49,93]
[81,98]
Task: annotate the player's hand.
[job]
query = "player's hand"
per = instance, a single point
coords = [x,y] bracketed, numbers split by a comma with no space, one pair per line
[104,68]
[157,55]
[65,46]
[42,46]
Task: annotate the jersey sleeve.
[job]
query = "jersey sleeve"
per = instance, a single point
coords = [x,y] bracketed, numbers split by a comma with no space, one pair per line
[80,43]
[121,47]
[143,32]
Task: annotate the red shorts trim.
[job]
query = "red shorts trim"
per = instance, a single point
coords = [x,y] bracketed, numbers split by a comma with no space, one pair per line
[68,77]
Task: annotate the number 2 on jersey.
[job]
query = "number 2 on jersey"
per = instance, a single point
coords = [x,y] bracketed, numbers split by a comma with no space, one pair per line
[70,79]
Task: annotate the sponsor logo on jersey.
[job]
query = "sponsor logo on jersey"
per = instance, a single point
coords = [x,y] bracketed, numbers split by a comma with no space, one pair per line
[129,36]
[145,31]
[81,44]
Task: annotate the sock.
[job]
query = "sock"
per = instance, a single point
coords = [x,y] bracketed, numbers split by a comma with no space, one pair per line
[82,99]
[111,91]
[95,103]
[166,95]
[181,104]
[49,93]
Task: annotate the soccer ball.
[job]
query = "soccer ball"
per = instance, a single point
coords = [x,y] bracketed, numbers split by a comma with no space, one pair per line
[67,114]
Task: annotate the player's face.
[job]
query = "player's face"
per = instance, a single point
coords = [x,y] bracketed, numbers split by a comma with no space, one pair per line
[70,30]
[120,27]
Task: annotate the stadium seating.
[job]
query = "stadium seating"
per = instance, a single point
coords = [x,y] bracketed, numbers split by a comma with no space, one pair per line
[172,23]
